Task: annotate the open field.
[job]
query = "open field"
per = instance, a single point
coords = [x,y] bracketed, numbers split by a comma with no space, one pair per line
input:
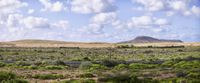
[49,43]
[123,64]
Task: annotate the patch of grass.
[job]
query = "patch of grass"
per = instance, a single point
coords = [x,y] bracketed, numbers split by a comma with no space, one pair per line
[48,76]
[87,75]
[9,77]
[52,67]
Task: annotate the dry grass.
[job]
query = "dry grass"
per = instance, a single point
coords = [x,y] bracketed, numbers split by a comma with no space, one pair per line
[50,43]
[168,44]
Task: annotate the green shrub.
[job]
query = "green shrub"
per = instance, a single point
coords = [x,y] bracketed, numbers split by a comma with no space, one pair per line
[48,76]
[9,77]
[141,66]
[79,81]
[86,59]
[168,64]
[59,62]
[87,75]
[31,67]
[85,65]
[54,67]
[70,81]
[194,75]
[109,63]
[120,67]
[21,63]
[121,77]
[94,67]
[15,81]
[187,64]
[88,81]
[6,75]
[2,64]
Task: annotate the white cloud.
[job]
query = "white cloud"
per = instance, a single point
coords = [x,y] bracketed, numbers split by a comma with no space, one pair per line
[104,18]
[151,5]
[17,26]
[171,7]
[35,22]
[119,24]
[52,7]
[13,20]
[30,11]
[98,22]
[161,22]
[10,6]
[61,24]
[195,10]
[146,22]
[92,6]
[143,21]
[178,5]
[92,29]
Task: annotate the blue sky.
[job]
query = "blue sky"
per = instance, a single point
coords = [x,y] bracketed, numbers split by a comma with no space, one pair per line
[99,20]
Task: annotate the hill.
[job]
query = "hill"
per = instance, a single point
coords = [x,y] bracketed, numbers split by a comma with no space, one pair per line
[53,43]
[147,39]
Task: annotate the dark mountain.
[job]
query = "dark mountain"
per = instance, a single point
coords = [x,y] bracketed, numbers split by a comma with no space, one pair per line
[147,39]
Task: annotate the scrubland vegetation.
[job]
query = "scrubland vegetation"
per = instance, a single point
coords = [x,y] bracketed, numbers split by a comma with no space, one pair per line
[123,64]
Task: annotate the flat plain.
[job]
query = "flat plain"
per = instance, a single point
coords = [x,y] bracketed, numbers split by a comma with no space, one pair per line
[61,62]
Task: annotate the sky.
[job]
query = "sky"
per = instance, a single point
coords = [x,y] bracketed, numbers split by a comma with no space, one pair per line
[99,20]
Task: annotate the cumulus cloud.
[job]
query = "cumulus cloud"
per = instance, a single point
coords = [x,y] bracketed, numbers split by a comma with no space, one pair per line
[146,22]
[104,18]
[196,10]
[17,20]
[35,22]
[52,7]
[17,26]
[10,6]
[178,5]
[30,11]
[118,24]
[13,20]
[92,29]
[151,5]
[61,24]
[170,6]
[99,21]
[92,6]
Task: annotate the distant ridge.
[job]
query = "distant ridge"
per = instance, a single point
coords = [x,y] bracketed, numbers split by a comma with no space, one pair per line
[52,41]
[147,39]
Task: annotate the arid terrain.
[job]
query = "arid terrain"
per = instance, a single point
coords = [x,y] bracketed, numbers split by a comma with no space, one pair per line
[151,61]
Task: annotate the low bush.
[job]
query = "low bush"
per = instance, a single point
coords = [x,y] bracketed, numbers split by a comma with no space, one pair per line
[194,75]
[21,63]
[187,64]
[109,63]
[9,77]
[79,81]
[48,76]
[120,67]
[121,77]
[141,66]
[168,64]
[87,75]
[54,67]
[6,75]
[85,65]
[31,67]
[2,64]
[95,67]
[15,81]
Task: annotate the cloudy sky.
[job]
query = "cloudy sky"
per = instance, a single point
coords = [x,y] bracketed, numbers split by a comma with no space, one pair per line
[99,20]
